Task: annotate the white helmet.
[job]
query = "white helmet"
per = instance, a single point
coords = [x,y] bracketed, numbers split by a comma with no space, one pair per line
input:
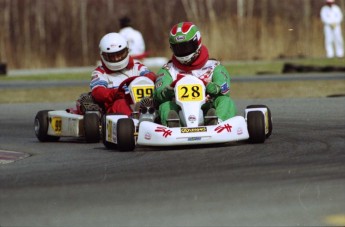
[114,51]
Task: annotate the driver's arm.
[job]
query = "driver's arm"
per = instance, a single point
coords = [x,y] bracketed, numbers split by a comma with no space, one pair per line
[99,89]
[220,84]
[163,90]
[104,95]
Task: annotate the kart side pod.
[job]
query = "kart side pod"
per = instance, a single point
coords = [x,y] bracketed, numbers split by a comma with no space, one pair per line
[50,125]
[118,132]
[259,123]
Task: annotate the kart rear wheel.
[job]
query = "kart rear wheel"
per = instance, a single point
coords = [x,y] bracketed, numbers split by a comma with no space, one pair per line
[270,125]
[125,134]
[256,126]
[41,125]
[91,128]
[108,145]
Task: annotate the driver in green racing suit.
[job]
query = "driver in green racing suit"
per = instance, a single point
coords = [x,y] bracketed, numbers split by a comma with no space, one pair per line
[191,58]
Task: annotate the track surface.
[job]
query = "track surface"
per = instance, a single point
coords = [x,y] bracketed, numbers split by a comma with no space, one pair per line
[296,178]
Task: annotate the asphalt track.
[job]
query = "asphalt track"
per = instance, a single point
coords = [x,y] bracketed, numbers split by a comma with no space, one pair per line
[296,178]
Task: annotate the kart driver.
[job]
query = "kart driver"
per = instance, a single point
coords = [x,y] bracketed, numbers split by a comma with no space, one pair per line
[191,58]
[116,66]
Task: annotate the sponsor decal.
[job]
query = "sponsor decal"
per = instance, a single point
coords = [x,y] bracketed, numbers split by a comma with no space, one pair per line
[191,118]
[159,84]
[147,136]
[180,38]
[114,135]
[239,131]
[194,138]
[192,130]
[56,123]
[109,131]
[224,88]
[166,132]
[221,128]
[266,123]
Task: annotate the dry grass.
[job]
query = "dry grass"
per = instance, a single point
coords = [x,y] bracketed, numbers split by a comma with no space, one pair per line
[240,90]
[294,89]
[64,94]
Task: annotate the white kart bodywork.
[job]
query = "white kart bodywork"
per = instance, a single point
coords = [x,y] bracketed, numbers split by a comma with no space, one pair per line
[152,134]
[193,130]
[62,123]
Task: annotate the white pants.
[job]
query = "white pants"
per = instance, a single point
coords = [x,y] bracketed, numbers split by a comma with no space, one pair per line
[334,37]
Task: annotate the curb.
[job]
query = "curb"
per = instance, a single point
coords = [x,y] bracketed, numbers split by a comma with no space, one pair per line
[11,156]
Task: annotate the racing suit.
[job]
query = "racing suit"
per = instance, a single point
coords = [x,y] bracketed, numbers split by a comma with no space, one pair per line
[104,86]
[211,72]
[332,17]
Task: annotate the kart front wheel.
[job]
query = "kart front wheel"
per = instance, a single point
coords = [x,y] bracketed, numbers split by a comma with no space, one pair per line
[125,134]
[91,128]
[41,125]
[256,126]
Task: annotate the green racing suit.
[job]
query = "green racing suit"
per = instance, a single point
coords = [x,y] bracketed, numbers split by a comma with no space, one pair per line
[213,74]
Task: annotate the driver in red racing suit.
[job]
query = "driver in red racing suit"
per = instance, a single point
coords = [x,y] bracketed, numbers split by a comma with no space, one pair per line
[116,66]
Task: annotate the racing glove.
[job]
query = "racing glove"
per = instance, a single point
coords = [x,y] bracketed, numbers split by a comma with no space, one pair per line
[212,88]
[168,92]
[112,95]
[118,95]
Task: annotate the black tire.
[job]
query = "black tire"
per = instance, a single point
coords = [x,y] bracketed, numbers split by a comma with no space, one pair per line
[125,134]
[256,126]
[108,145]
[41,125]
[91,128]
[270,125]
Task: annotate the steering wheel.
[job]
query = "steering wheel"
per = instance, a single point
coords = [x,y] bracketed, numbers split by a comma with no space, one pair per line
[126,82]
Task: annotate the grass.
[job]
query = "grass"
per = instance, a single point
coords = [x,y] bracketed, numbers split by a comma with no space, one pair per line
[243,68]
[239,90]
[293,89]
[235,68]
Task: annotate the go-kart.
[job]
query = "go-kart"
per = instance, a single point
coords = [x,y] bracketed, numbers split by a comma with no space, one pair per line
[85,123]
[50,125]
[124,133]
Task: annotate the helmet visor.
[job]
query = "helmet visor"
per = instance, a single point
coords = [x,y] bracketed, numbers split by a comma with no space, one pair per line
[185,48]
[115,56]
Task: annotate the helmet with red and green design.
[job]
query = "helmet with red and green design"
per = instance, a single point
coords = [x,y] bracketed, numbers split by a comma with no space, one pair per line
[185,42]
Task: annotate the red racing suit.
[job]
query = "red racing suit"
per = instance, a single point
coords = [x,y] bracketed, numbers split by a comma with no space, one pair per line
[105,82]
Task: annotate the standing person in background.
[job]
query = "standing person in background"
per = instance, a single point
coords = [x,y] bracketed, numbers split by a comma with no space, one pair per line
[134,37]
[332,17]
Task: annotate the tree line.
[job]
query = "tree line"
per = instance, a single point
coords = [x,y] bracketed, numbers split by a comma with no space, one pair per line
[64,33]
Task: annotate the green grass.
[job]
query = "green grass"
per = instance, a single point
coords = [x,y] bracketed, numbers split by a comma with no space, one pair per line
[40,77]
[235,68]
[242,68]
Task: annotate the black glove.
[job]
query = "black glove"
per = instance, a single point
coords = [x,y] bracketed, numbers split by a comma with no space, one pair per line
[168,92]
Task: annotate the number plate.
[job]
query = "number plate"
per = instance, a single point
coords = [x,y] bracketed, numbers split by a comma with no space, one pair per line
[140,92]
[190,92]
[56,124]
